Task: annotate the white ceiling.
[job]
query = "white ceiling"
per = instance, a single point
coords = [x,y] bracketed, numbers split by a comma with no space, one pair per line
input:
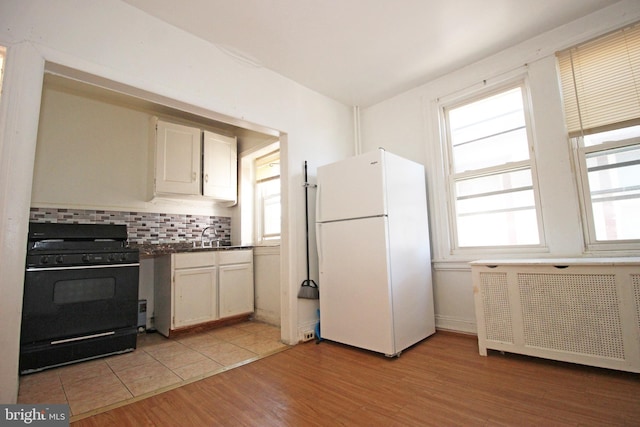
[364,51]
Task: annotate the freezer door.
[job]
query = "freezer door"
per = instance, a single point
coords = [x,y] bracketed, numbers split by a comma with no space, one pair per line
[355,296]
[351,188]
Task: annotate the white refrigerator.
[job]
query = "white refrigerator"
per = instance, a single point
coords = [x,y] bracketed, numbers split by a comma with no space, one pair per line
[374,257]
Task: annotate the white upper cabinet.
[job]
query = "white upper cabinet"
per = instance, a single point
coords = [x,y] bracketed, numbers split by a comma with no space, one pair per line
[195,163]
[177,159]
[220,167]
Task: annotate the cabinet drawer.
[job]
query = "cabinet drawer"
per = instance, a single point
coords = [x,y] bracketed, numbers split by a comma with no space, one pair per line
[235,257]
[197,259]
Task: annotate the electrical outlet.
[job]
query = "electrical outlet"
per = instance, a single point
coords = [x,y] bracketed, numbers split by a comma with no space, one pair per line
[307,336]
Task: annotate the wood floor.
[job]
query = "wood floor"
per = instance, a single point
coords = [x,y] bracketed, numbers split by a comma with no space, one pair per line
[158,364]
[441,381]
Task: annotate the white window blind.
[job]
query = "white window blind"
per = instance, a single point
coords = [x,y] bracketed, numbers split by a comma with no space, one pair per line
[268,167]
[601,88]
[601,82]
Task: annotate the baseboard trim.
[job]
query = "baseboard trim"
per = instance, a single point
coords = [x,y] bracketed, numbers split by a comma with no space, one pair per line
[453,324]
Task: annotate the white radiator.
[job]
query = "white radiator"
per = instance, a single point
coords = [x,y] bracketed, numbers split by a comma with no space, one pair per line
[583,311]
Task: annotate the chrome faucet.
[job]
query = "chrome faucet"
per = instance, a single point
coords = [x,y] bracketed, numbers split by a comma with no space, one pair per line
[215,233]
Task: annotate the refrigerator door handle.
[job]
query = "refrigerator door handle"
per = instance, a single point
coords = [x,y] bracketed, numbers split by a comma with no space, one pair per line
[319,247]
[318,226]
[318,198]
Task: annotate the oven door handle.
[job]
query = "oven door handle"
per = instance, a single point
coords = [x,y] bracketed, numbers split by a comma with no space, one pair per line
[83,267]
[86,337]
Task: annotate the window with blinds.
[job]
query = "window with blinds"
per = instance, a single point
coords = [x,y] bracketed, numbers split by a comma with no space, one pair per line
[268,212]
[601,93]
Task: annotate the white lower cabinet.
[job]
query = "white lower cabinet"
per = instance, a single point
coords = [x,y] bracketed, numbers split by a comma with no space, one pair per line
[236,283]
[195,296]
[202,287]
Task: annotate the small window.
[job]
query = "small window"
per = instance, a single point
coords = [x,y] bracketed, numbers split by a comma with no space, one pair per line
[2,56]
[268,212]
[600,86]
[610,168]
[490,173]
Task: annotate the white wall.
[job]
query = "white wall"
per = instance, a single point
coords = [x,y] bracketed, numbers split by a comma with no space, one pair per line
[122,46]
[266,272]
[146,287]
[94,153]
[408,125]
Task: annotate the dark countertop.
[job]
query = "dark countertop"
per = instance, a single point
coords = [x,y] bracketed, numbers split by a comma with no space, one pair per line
[152,250]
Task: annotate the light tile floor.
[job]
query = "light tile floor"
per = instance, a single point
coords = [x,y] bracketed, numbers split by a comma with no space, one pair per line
[158,364]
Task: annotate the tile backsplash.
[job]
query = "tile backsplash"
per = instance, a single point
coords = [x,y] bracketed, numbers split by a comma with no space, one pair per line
[142,227]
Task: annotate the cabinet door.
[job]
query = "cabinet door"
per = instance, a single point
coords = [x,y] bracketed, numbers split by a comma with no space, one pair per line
[177,159]
[236,289]
[195,296]
[220,167]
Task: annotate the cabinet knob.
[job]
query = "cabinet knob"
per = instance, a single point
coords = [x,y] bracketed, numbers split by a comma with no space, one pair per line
[194,177]
[206,177]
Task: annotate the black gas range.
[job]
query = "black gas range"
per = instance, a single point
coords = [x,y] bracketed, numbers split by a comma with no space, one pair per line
[80,294]
[62,245]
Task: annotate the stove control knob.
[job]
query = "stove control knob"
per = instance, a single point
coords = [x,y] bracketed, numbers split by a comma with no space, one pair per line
[44,259]
[59,259]
[86,257]
[111,257]
[123,257]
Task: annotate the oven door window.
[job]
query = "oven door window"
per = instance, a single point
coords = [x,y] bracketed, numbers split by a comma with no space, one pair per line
[63,303]
[84,290]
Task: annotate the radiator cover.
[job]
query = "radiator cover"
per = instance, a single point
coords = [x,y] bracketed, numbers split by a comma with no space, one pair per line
[583,311]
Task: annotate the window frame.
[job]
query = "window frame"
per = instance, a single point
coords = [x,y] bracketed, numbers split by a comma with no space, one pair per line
[261,238]
[3,62]
[585,118]
[467,97]
[580,153]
